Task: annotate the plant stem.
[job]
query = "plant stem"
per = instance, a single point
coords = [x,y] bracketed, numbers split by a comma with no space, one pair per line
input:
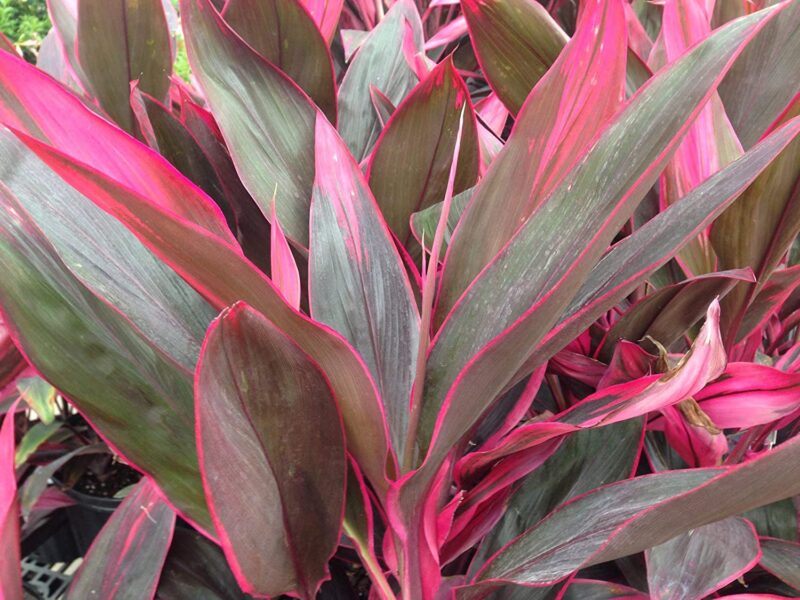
[428,293]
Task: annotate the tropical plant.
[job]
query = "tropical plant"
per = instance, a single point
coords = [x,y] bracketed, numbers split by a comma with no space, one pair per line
[427,300]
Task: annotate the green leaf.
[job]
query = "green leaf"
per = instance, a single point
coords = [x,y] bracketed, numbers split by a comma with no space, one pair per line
[424,223]
[268,429]
[409,168]
[33,438]
[119,41]
[516,42]
[40,396]
[379,62]
[284,33]
[96,357]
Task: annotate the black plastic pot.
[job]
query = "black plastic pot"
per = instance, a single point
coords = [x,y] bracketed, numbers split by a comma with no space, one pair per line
[87,517]
[70,531]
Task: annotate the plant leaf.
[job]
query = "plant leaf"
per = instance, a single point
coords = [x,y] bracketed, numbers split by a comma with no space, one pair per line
[129,552]
[586,589]
[782,559]
[32,102]
[515,42]
[765,220]
[635,258]
[284,271]
[262,404]
[40,397]
[379,62]
[627,517]
[409,168]
[585,461]
[326,15]
[37,435]
[423,223]
[118,41]
[223,276]
[195,568]
[267,121]
[703,560]
[10,572]
[358,284]
[763,80]
[284,33]
[569,106]
[667,313]
[550,257]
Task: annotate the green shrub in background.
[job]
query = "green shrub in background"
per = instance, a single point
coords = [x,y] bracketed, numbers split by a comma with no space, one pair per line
[25,22]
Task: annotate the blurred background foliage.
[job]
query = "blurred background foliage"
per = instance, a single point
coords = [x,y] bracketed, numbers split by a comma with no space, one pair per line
[25,23]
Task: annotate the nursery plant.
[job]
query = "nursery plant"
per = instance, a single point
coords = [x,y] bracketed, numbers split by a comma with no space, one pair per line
[415,300]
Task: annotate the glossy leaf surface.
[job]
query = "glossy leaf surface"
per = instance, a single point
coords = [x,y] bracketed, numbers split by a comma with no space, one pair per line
[782,559]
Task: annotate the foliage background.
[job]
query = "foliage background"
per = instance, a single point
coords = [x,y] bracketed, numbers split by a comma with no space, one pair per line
[24,22]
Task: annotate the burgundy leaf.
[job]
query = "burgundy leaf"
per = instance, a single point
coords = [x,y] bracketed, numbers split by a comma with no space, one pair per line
[264,407]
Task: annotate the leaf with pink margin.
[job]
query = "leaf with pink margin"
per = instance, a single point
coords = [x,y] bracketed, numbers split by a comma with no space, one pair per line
[629,262]
[638,39]
[64,17]
[692,435]
[627,517]
[326,15]
[588,589]
[515,42]
[769,300]
[538,272]
[34,103]
[763,81]
[284,33]
[569,106]
[7,45]
[709,144]
[12,362]
[667,313]
[130,550]
[767,216]
[284,273]
[449,32]
[118,41]
[263,405]
[586,460]
[380,61]
[409,167]
[10,571]
[266,119]
[782,559]
[749,394]
[223,276]
[357,282]
[704,362]
[698,563]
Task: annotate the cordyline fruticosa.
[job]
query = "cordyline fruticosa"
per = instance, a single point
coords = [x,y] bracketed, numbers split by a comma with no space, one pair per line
[441,300]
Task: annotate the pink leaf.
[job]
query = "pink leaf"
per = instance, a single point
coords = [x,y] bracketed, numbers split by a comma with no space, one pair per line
[10,573]
[325,14]
[284,272]
[37,105]
[449,32]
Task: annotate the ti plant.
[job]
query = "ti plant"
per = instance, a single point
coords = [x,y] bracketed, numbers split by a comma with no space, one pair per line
[416,301]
